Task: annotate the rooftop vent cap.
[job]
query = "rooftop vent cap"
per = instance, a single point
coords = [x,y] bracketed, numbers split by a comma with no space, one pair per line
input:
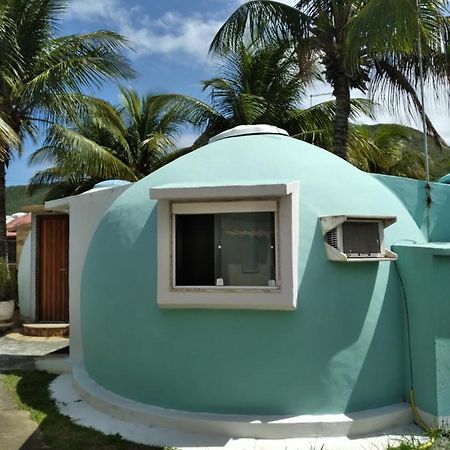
[111,183]
[244,130]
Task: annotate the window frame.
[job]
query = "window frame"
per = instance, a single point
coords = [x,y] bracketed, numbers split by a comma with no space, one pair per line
[221,199]
[224,207]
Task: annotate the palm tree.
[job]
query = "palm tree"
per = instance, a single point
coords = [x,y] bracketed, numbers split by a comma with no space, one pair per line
[261,85]
[361,44]
[43,76]
[140,139]
[387,150]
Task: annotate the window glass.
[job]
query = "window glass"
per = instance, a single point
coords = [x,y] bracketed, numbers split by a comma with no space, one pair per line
[228,249]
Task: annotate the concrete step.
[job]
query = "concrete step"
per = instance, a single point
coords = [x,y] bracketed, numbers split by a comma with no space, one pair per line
[46,329]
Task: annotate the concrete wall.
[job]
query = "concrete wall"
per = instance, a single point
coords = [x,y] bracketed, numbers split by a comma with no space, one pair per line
[342,350]
[85,212]
[413,195]
[24,281]
[425,271]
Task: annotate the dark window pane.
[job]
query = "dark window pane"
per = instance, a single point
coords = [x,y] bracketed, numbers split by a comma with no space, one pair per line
[361,237]
[194,250]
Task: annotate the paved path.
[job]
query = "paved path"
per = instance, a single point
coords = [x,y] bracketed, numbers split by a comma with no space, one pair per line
[17,430]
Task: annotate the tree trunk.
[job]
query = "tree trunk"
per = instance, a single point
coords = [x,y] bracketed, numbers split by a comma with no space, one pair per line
[342,93]
[3,238]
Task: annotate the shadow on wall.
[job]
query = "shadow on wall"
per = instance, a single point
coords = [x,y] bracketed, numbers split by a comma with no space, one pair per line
[336,307]
[380,382]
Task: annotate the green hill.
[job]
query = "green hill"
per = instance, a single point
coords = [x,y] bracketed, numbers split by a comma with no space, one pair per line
[17,197]
[439,158]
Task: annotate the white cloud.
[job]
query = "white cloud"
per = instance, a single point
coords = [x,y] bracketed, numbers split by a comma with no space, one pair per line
[171,33]
[287,2]
[186,139]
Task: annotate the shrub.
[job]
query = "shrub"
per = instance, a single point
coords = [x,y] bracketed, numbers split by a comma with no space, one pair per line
[4,280]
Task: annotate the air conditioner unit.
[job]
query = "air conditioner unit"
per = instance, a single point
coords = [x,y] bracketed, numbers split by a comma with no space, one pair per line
[356,238]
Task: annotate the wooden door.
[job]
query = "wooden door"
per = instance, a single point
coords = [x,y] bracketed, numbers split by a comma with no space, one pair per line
[52,268]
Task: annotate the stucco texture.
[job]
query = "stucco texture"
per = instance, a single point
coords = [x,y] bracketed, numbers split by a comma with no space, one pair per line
[342,350]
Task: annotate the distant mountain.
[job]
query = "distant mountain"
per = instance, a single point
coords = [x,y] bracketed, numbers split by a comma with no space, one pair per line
[17,197]
[439,158]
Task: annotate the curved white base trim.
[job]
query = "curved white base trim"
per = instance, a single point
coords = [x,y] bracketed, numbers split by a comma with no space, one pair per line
[434,421]
[261,427]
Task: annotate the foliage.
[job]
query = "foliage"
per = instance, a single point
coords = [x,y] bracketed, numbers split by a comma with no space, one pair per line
[386,151]
[4,280]
[439,156]
[140,139]
[438,439]
[358,47]
[31,392]
[44,76]
[18,196]
[262,84]
[12,288]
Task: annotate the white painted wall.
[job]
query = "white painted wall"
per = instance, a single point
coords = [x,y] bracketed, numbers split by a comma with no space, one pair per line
[24,280]
[85,211]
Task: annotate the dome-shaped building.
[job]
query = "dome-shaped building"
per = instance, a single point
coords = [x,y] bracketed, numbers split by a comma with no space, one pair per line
[250,288]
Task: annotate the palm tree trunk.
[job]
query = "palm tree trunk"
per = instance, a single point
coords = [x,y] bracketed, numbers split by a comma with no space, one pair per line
[342,93]
[3,238]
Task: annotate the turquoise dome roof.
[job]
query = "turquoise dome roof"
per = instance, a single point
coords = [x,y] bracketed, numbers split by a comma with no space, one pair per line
[323,357]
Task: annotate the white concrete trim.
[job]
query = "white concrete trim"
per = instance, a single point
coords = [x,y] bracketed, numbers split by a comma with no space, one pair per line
[434,421]
[260,427]
[179,192]
[59,204]
[284,297]
[54,364]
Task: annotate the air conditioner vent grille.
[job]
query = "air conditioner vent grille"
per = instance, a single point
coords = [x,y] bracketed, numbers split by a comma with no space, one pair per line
[332,238]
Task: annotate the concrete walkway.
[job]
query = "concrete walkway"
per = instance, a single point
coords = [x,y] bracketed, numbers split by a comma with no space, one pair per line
[17,352]
[17,430]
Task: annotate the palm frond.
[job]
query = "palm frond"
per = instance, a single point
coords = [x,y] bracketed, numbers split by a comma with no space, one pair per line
[72,152]
[261,22]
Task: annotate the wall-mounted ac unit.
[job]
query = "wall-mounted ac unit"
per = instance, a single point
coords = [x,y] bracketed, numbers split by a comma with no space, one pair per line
[356,238]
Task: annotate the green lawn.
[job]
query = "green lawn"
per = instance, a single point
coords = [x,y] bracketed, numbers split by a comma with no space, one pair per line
[30,391]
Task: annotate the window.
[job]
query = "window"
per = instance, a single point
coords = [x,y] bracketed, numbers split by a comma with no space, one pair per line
[350,238]
[227,247]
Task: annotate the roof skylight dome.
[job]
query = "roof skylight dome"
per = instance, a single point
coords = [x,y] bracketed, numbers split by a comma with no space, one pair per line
[244,130]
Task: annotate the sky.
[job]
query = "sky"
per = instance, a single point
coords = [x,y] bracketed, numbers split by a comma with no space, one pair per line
[170,40]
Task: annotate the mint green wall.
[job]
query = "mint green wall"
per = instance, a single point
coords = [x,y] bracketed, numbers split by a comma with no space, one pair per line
[340,351]
[425,270]
[412,194]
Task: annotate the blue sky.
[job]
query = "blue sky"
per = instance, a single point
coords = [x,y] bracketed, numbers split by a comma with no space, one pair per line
[170,40]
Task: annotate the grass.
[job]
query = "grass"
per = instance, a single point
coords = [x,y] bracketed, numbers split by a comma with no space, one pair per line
[439,440]
[30,391]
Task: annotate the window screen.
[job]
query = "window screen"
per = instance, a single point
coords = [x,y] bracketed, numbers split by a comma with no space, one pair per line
[230,249]
[361,238]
